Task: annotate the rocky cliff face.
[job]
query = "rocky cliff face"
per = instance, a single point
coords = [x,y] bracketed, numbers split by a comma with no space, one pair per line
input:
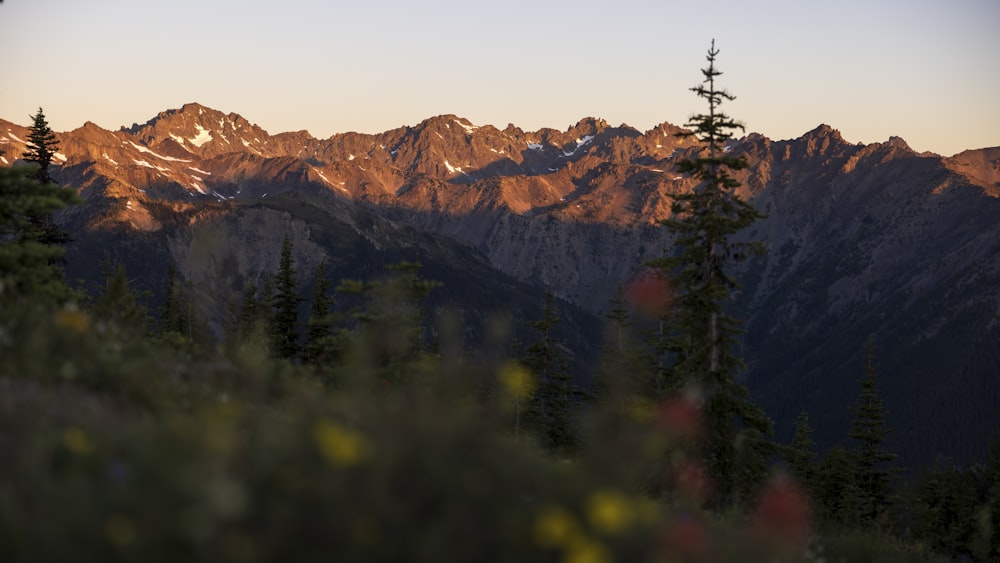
[863,239]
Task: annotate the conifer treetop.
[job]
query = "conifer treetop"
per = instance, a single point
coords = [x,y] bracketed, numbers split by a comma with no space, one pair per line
[42,146]
[715,127]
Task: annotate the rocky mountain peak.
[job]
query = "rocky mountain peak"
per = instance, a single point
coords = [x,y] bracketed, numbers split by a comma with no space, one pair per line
[895,142]
[824,131]
[202,131]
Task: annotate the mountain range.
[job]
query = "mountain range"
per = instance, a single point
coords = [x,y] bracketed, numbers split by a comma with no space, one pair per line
[863,240]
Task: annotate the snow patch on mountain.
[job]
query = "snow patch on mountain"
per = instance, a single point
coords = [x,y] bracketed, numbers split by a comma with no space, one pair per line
[141,148]
[470,129]
[148,165]
[203,136]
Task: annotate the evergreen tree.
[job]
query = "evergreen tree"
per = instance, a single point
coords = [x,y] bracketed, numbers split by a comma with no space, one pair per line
[550,409]
[320,323]
[947,501]
[28,266]
[284,329]
[175,312]
[42,147]
[402,296]
[248,312]
[169,310]
[834,489]
[178,323]
[624,367]
[118,304]
[265,302]
[699,338]
[874,480]
[800,453]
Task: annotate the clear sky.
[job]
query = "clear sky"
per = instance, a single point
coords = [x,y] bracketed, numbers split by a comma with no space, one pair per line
[923,70]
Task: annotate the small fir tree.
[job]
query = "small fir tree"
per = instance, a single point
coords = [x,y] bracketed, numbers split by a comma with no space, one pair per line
[321,321]
[284,329]
[699,338]
[551,408]
[118,305]
[801,457]
[834,488]
[249,310]
[42,147]
[873,479]
[178,323]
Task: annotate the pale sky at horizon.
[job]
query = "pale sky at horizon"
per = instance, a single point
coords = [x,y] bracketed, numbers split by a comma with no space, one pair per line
[922,70]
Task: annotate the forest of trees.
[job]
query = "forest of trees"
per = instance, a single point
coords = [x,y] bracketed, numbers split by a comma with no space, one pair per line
[357,432]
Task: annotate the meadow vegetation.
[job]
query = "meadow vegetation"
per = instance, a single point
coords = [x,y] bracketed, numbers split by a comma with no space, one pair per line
[374,432]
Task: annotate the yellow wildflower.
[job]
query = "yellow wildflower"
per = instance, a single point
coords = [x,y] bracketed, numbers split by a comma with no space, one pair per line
[641,410]
[73,319]
[555,526]
[609,512]
[340,446]
[517,380]
[77,441]
[585,550]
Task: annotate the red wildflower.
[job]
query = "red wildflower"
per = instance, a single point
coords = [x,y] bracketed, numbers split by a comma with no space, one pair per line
[783,517]
[650,294]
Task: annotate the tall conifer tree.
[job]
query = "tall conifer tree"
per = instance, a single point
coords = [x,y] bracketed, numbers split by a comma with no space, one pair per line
[699,338]
[550,409]
[320,323]
[800,454]
[285,306]
[42,147]
[873,478]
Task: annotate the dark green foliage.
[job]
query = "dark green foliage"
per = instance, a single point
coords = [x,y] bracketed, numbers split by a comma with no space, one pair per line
[834,489]
[118,305]
[405,282]
[700,338]
[387,325]
[251,313]
[949,510]
[284,327]
[42,147]
[30,267]
[177,312]
[320,346]
[550,411]
[179,323]
[873,478]
[800,453]
[153,455]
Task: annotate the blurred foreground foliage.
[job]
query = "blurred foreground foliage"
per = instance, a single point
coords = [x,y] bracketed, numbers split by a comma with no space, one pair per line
[121,446]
